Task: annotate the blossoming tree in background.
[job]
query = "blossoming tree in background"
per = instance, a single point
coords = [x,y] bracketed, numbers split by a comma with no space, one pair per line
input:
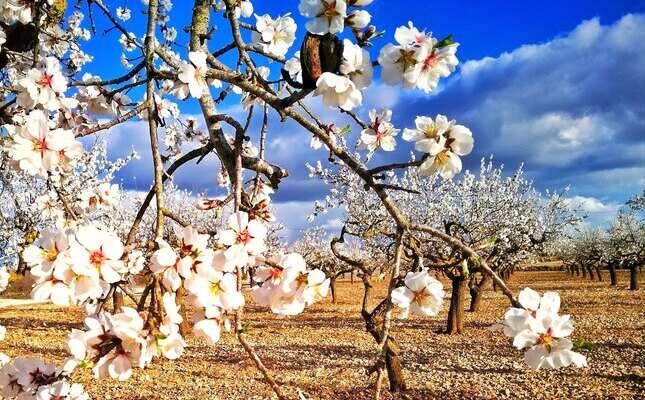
[77,253]
[620,246]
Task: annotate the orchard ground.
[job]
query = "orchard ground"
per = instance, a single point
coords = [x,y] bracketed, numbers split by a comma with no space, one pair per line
[325,351]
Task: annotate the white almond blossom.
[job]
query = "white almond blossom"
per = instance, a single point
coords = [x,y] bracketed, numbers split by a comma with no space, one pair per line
[244,238]
[45,253]
[294,67]
[416,60]
[380,133]
[214,288]
[128,42]
[193,75]
[194,252]
[49,206]
[547,344]
[93,249]
[356,64]
[105,195]
[519,319]
[30,378]
[538,327]
[421,294]
[165,261]
[274,36]
[57,287]
[209,324]
[42,86]
[123,13]
[243,8]
[37,150]
[338,91]
[328,15]
[287,286]
[358,19]
[444,141]
[62,390]
[398,63]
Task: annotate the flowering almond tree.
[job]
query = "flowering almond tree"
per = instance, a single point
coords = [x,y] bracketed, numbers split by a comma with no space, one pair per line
[78,254]
[620,246]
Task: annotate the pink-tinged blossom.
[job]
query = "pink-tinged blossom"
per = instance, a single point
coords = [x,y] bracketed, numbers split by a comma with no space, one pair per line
[416,60]
[194,252]
[37,150]
[244,238]
[380,132]
[42,86]
[547,344]
[96,251]
[444,141]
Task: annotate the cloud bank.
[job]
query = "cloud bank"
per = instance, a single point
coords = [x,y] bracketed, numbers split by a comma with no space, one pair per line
[571,109]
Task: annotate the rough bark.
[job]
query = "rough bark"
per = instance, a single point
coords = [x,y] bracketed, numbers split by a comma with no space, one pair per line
[332,287]
[456,312]
[633,277]
[394,367]
[599,272]
[476,291]
[612,274]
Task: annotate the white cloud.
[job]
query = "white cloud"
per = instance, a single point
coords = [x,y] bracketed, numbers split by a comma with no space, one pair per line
[598,213]
[572,108]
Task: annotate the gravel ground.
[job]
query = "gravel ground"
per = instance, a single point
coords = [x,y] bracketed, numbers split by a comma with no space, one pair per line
[324,351]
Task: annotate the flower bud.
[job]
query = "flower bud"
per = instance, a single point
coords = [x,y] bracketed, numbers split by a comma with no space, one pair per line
[358,19]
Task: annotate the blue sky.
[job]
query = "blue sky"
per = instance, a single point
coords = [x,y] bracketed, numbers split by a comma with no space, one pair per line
[559,86]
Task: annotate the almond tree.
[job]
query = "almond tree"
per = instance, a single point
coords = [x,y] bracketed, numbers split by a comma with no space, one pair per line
[505,219]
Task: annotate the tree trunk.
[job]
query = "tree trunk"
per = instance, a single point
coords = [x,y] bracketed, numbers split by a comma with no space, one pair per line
[599,272]
[584,271]
[633,277]
[612,274]
[476,291]
[393,364]
[590,270]
[332,287]
[456,312]
[394,367]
